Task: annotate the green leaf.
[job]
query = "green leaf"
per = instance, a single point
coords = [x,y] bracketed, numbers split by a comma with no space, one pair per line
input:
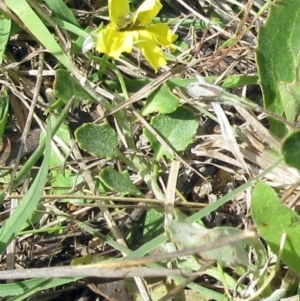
[28,204]
[294,89]
[161,100]
[178,130]
[154,224]
[272,219]
[5,26]
[66,87]
[118,181]
[291,150]
[58,155]
[98,140]
[64,182]
[277,60]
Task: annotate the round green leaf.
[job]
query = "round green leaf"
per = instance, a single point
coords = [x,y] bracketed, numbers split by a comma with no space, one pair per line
[291,150]
[118,181]
[277,60]
[161,100]
[178,130]
[98,140]
[272,219]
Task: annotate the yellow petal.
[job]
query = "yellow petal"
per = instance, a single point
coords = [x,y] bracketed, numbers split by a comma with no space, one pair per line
[146,12]
[162,34]
[113,42]
[119,12]
[151,51]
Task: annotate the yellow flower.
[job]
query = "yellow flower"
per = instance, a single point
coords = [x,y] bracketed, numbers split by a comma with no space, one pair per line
[128,29]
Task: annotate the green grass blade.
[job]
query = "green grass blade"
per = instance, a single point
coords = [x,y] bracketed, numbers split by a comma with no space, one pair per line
[27,288]
[61,10]
[22,213]
[5,26]
[36,26]
[4,106]
[71,28]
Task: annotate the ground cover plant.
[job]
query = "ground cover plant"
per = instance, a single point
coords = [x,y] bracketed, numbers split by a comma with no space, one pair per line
[149,150]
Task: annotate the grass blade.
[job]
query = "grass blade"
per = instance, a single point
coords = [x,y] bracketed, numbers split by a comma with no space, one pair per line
[22,213]
[5,25]
[37,28]
[27,288]
[61,10]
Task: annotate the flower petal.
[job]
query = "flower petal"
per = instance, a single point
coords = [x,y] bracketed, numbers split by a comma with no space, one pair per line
[150,50]
[162,34]
[113,42]
[119,12]
[146,12]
